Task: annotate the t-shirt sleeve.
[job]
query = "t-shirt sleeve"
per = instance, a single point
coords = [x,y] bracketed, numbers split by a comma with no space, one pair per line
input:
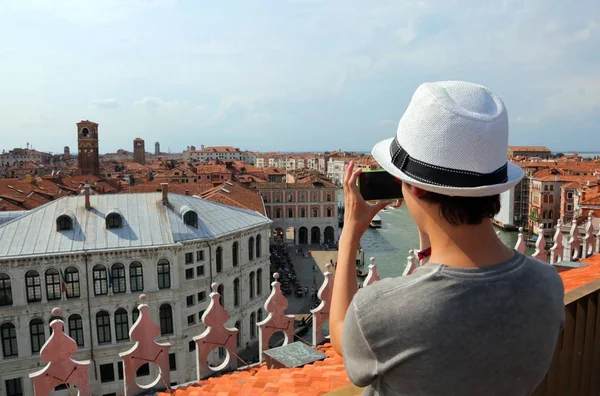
[359,359]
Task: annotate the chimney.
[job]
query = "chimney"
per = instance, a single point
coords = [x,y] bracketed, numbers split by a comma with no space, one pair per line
[164,187]
[187,192]
[86,191]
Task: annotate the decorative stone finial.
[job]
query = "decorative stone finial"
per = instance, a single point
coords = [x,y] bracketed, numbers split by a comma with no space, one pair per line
[411,263]
[61,368]
[143,298]
[574,242]
[372,275]
[276,319]
[588,238]
[321,313]
[145,350]
[540,245]
[557,249]
[328,267]
[214,286]
[216,335]
[520,245]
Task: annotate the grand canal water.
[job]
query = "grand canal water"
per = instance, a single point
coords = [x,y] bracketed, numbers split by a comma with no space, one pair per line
[398,234]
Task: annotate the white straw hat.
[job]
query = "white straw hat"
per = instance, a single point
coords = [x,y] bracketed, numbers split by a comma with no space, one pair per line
[452,140]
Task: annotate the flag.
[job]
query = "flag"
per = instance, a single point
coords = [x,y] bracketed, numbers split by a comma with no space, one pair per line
[63,283]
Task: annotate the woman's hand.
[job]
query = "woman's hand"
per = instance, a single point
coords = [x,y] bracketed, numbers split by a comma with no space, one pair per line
[358,213]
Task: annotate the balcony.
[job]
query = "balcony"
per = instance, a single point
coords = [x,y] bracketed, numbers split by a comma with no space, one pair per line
[574,369]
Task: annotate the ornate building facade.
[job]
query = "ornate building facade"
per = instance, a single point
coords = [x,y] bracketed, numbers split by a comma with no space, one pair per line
[93,255]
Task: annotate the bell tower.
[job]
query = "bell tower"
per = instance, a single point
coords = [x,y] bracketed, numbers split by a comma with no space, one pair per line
[87,148]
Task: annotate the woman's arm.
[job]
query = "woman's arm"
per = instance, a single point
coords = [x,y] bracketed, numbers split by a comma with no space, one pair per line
[357,216]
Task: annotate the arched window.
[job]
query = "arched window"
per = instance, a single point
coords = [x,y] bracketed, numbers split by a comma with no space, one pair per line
[315,212]
[328,197]
[545,198]
[252,325]
[114,220]
[329,212]
[277,213]
[221,291]
[191,218]
[100,280]
[5,290]
[135,314]
[303,197]
[53,287]
[236,292]
[259,315]
[550,214]
[251,284]
[34,287]
[121,325]
[251,249]
[235,253]
[76,329]
[36,332]
[103,327]
[238,336]
[136,276]
[302,212]
[165,314]
[72,282]
[118,278]
[8,333]
[544,213]
[64,223]
[259,281]
[290,213]
[551,199]
[164,274]
[219,259]
[258,243]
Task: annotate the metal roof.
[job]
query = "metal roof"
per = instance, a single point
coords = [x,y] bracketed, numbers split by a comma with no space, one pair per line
[5,217]
[146,223]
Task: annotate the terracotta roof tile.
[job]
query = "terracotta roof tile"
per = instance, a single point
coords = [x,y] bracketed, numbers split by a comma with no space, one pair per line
[576,277]
[315,379]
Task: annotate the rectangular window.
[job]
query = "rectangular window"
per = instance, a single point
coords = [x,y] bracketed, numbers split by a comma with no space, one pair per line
[569,207]
[14,387]
[200,270]
[200,315]
[570,195]
[191,346]
[189,258]
[189,300]
[107,372]
[191,319]
[200,255]
[201,296]
[120,370]
[172,362]
[189,273]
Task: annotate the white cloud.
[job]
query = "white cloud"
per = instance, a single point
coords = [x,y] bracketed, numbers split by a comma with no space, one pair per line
[106,103]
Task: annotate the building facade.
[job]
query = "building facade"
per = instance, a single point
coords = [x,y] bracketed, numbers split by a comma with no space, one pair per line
[97,254]
[139,151]
[529,151]
[19,157]
[87,145]
[222,153]
[304,212]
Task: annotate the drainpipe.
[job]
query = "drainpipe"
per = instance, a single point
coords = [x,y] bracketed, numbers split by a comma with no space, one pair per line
[87,284]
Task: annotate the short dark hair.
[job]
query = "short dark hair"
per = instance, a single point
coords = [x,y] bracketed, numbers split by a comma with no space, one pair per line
[464,210]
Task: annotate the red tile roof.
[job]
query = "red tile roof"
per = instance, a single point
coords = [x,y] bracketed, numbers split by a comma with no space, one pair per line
[576,277]
[314,379]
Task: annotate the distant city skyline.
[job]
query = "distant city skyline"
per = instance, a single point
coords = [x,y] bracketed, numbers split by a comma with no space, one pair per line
[288,74]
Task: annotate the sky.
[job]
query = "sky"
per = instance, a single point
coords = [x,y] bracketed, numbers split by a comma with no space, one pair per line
[288,75]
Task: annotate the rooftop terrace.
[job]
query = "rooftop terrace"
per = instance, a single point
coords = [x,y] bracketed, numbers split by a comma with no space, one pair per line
[575,367]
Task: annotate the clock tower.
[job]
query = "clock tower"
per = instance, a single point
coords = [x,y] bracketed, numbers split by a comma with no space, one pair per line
[87,145]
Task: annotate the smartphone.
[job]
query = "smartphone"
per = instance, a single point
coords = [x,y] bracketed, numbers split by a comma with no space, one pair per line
[379,185]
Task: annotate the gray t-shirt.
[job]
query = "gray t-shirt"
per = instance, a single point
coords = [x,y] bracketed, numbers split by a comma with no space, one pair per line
[452,331]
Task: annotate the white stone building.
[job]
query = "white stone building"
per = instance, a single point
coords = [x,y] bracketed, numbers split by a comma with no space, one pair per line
[335,169]
[223,153]
[19,156]
[94,255]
